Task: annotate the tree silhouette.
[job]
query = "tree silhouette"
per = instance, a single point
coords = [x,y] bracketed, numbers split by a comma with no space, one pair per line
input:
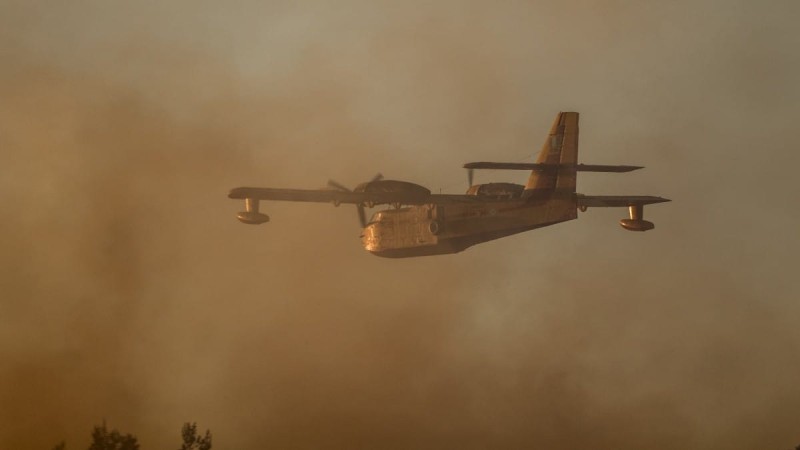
[192,441]
[102,439]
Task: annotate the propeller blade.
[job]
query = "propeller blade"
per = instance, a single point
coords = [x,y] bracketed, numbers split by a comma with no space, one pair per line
[338,186]
[362,215]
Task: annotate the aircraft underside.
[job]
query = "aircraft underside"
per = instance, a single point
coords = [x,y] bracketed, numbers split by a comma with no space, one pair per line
[429,230]
[452,245]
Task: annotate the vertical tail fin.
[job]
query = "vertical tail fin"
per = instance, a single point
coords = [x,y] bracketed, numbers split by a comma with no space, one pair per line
[560,147]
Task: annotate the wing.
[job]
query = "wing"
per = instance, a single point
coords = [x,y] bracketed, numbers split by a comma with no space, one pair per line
[618,200]
[298,195]
[358,198]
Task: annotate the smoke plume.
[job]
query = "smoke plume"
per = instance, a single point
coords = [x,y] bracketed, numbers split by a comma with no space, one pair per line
[129,293]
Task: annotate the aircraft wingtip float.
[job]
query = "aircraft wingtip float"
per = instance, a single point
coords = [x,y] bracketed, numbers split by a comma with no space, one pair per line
[420,223]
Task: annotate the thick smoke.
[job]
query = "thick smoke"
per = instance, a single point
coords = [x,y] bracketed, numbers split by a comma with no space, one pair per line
[131,294]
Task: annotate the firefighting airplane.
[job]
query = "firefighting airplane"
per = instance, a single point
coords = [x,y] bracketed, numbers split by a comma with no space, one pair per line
[419,223]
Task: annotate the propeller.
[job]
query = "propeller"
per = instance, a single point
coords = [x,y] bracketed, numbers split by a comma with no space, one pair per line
[338,186]
[362,214]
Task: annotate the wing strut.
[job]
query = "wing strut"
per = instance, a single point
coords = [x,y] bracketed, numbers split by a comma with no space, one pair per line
[251,215]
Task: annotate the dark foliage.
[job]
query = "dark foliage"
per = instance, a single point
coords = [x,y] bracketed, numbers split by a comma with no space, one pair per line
[102,439]
[192,441]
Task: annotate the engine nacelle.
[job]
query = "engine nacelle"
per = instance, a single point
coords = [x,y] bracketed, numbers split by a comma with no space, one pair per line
[250,215]
[509,190]
[636,221]
[383,186]
[406,192]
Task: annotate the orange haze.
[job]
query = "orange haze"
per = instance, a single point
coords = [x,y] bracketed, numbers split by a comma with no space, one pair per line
[128,291]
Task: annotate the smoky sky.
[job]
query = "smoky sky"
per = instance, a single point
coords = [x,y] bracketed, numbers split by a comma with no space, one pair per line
[129,293]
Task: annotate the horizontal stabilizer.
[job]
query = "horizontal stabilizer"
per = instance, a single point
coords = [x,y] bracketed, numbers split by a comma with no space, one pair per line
[612,201]
[543,167]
